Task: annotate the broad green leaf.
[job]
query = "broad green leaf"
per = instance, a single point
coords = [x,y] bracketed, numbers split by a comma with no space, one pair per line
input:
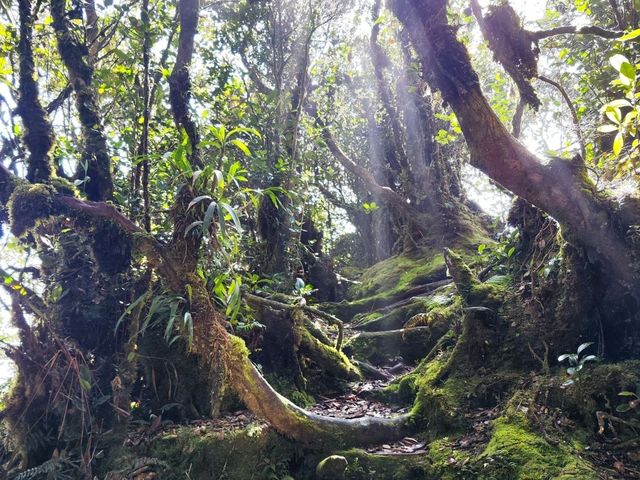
[627,70]
[618,143]
[242,146]
[627,394]
[619,103]
[618,60]
[608,128]
[614,114]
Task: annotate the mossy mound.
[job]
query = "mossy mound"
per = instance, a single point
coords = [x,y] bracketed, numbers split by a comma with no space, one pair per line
[204,453]
[442,304]
[399,273]
[517,451]
[366,466]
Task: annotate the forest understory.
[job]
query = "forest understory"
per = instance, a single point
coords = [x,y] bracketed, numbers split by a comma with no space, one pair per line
[291,239]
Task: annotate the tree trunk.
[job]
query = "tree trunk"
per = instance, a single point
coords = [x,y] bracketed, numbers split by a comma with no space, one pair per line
[560,188]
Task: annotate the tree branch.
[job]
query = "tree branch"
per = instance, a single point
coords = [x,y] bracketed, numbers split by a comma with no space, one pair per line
[574,113]
[571,30]
[306,308]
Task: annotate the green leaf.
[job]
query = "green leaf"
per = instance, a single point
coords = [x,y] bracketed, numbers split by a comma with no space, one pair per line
[188,322]
[172,318]
[129,309]
[588,358]
[618,143]
[233,215]
[630,36]
[619,103]
[191,226]
[197,200]
[627,70]
[242,146]
[618,60]
[627,394]
[583,346]
[608,128]
[481,248]
[85,384]
[223,226]
[563,357]
[625,407]
[208,216]
[614,114]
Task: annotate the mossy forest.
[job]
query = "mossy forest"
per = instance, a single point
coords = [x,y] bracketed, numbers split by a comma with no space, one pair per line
[319,239]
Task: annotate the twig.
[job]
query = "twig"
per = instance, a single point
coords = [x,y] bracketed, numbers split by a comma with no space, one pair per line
[572,109]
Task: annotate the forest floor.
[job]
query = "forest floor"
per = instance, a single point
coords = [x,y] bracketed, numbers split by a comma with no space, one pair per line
[512,424]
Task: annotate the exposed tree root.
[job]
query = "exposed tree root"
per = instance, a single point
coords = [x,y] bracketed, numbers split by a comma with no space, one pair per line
[299,424]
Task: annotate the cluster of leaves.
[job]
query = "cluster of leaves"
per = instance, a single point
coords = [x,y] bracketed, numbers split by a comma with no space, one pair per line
[577,362]
[622,114]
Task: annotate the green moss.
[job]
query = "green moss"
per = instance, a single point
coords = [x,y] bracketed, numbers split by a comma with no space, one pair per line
[365,466]
[597,388]
[237,348]
[286,388]
[203,452]
[28,204]
[64,186]
[399,273]
[525,455]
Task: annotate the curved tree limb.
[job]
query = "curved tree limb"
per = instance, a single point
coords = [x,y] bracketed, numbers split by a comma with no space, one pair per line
[294,422]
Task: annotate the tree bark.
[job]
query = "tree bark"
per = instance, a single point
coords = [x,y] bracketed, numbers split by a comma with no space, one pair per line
[95,169]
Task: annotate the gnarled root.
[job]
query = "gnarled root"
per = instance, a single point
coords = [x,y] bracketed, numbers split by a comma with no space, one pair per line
[299,424]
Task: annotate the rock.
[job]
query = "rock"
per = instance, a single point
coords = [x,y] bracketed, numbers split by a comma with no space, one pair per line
[331,468]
